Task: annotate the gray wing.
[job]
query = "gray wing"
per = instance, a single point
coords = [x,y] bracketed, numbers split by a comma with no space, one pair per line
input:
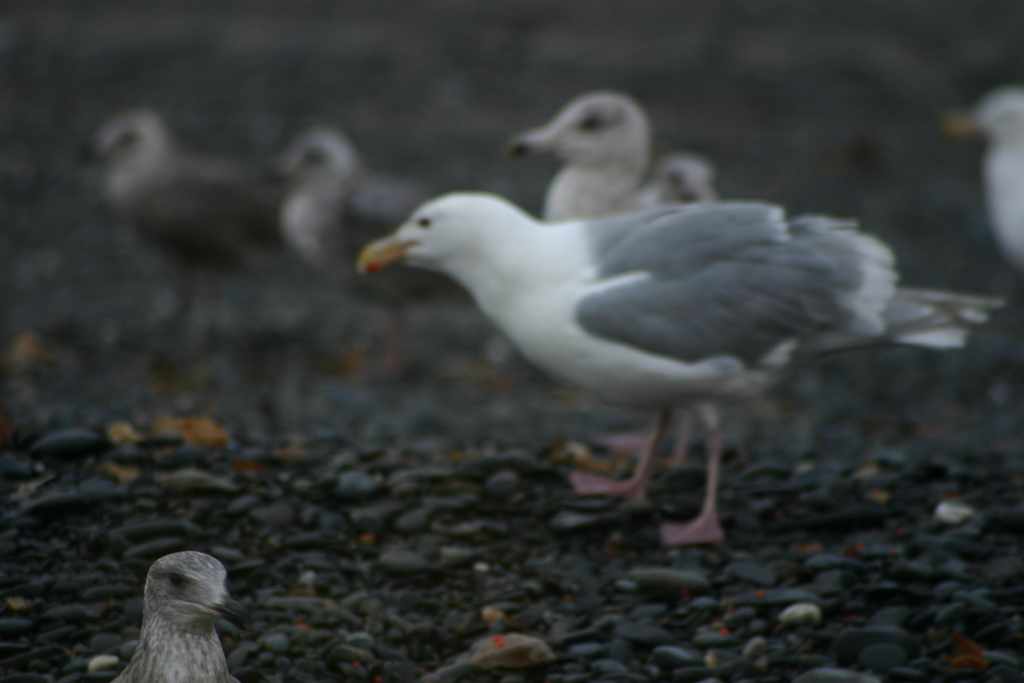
[729,279]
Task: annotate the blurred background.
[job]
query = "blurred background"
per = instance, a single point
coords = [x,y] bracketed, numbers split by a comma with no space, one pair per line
[826,107]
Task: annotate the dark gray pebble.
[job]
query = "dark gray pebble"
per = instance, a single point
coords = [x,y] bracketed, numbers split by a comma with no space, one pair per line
[586,649]
[643,633]
[906,673]
[502,484]
[880,657]
[375,517]
[104,642]
[691,674]
[777,598]
[277,515]
[403,561]
[15,626]
[152,528]
[752,571]
[669,579]
[70,443]
[675,656]
[851,642]
[567,520]
[13,467]
[150,550]
[355,485]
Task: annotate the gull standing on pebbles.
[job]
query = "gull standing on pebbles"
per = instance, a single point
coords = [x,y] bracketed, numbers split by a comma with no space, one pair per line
[334,205]
[185,594]
[604,141]
[999,116]
[202,210]
[677,305]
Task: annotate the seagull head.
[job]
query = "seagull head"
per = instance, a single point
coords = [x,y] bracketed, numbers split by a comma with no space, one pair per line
[189,590]
[999,116]
[448,234]
[130,137]
[595,129]
[686,178]
[320,152]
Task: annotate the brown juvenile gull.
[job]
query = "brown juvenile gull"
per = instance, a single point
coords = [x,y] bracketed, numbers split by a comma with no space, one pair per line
[185,594]
[603,139]
[333,206]
[677,305]
[999,116]
[202,210]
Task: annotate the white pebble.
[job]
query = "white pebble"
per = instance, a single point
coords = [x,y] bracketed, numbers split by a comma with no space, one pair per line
[801,613]
[953,512]
[102,663]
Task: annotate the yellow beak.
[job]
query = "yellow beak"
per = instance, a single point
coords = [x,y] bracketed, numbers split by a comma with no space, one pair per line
[381,253]
[959,124]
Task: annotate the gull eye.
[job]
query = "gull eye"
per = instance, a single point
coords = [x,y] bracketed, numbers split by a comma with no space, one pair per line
[591,123]
[423,222]
[128,138]
[313,157]
[177,580]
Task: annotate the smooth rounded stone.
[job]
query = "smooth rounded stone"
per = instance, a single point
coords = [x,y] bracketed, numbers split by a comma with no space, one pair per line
[831,675]
[778,597]
[70,443]
[355,485]
[755,647]
[104,642]
[127,649]
[608,666]
[675,656]
[87,494]
[153,528]
[569,520]
[643,633]
[953,512]
[668,579]
[880,657]
[825,562]
[102,663]
[72,613]
[503,483]
[800,613]
[278,515]
[851,642]
[752,571]
[242,504]
[692,674]
[275,641]
[402,561]
[896,615]
[705,603]
[15,626]
[375,517]
[14,468]
[586,649]
[155,548]
[1004,658]
[457,556]
[342,653]
[414,520]
[906,673]
[195,480]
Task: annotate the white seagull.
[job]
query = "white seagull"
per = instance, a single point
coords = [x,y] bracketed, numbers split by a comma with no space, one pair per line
[999,116]
[185,594]
[678,305]
[603,138]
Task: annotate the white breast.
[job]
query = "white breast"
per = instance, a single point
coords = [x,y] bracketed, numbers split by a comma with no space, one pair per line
[1004,178]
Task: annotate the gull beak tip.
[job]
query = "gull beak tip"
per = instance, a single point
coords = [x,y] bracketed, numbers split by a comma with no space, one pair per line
[959,125]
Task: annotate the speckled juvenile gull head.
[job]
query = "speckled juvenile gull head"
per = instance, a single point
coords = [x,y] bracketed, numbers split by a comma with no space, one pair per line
[679,304]
[682,177]
[185,593]
[604,142]
[999,116]
[200,209]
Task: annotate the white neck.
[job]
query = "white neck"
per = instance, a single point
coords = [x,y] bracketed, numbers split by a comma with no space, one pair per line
[590,191]
[1004,180]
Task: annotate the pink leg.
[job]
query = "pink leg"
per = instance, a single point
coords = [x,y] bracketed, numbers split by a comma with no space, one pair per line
[682,445]
[705,527]
[635,488]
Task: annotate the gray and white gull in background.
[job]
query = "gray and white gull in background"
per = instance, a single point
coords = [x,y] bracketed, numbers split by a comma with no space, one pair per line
[333,206]
[999,116]
[686,305]
[202,210]
[185,594]
[604,142]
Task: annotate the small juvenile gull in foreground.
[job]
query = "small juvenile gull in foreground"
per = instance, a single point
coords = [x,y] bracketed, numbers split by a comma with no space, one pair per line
[689,304]
[604,140]
[200,209]
[1000,117]
[185,594]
